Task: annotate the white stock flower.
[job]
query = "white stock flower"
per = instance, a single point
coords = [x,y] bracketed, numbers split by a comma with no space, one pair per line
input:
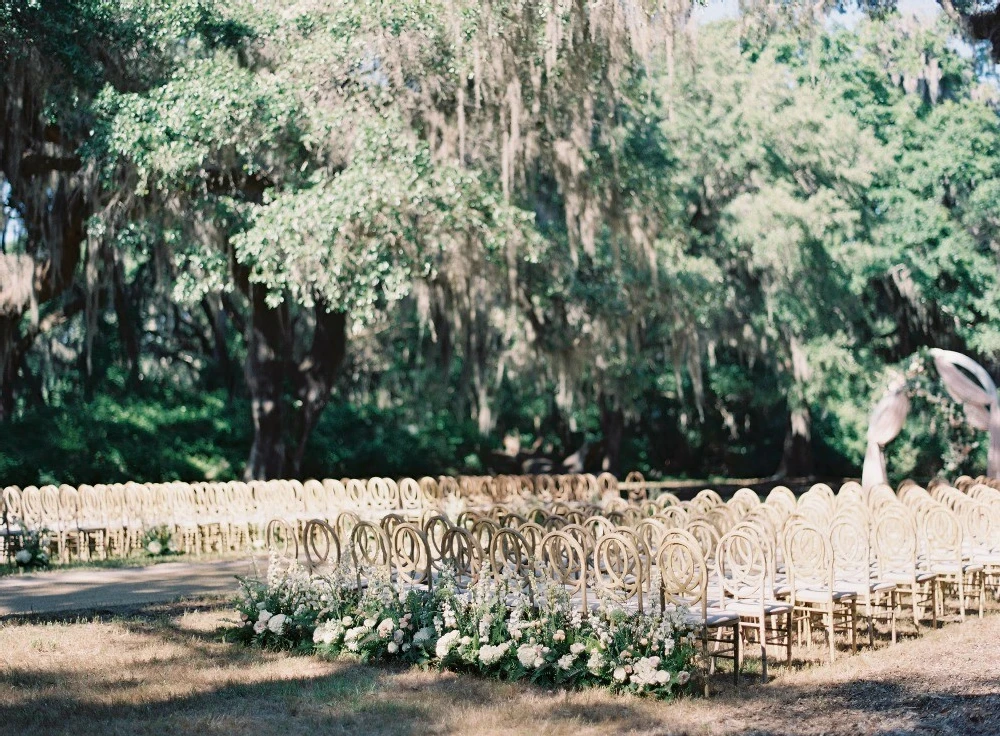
[668,647]
[276,624]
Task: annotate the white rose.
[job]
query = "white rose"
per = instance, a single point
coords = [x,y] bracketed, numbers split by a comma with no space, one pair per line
[683,677]
[276,623]
[662,677]
[392,648]
[347,620]
[370,623]
[260,627]
[385,628]
[620,674]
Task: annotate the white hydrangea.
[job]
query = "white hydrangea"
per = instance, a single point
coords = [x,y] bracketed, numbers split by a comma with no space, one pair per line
[425,634]
[489,654]
[328,633]
[23,557]
[352,637]
[528,655]
[566,661]
[596,662]
[446,643]
[644,672]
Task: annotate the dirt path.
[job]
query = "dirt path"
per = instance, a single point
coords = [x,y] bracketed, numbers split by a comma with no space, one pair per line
[106,589]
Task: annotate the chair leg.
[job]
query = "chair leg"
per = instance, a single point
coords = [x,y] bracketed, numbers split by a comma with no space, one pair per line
[934,617]
[854,626]
[829,632]
[893,602]
[737,656]
[763,650]
[788,640]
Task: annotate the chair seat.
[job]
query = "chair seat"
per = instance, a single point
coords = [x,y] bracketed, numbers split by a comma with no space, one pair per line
[821,595]
[986,558]
[753,608]
[861,586]
[954,568]
[902,578]
[713,616]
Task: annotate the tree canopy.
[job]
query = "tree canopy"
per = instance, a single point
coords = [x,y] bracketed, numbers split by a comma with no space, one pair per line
[610,232]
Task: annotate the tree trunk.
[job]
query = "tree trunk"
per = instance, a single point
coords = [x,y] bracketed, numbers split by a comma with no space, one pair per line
[265,373]
[316,375]
[612,427]
[797,457]
[216,316]
[8,366]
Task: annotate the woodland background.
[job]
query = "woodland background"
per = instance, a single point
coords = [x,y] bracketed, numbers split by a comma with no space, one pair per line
[386,237]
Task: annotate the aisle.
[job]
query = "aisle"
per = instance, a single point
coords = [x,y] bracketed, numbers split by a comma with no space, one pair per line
[72,590]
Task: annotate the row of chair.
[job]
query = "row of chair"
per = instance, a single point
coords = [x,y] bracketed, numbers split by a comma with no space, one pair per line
[762,568]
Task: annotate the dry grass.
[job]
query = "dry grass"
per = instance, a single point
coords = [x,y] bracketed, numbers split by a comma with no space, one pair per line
[164,671]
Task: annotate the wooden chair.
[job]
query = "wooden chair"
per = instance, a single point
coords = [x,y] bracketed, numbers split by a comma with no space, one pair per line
[746,587]
[684,583]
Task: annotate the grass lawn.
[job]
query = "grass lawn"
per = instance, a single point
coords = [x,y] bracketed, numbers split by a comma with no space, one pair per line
[163,670]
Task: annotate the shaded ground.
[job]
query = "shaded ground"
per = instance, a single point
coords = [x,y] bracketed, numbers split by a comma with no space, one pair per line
[165,671]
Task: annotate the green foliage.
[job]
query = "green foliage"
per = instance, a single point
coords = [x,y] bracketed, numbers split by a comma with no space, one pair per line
[533,223]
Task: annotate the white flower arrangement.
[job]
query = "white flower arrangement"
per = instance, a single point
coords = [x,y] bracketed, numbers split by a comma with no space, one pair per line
[510,627]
